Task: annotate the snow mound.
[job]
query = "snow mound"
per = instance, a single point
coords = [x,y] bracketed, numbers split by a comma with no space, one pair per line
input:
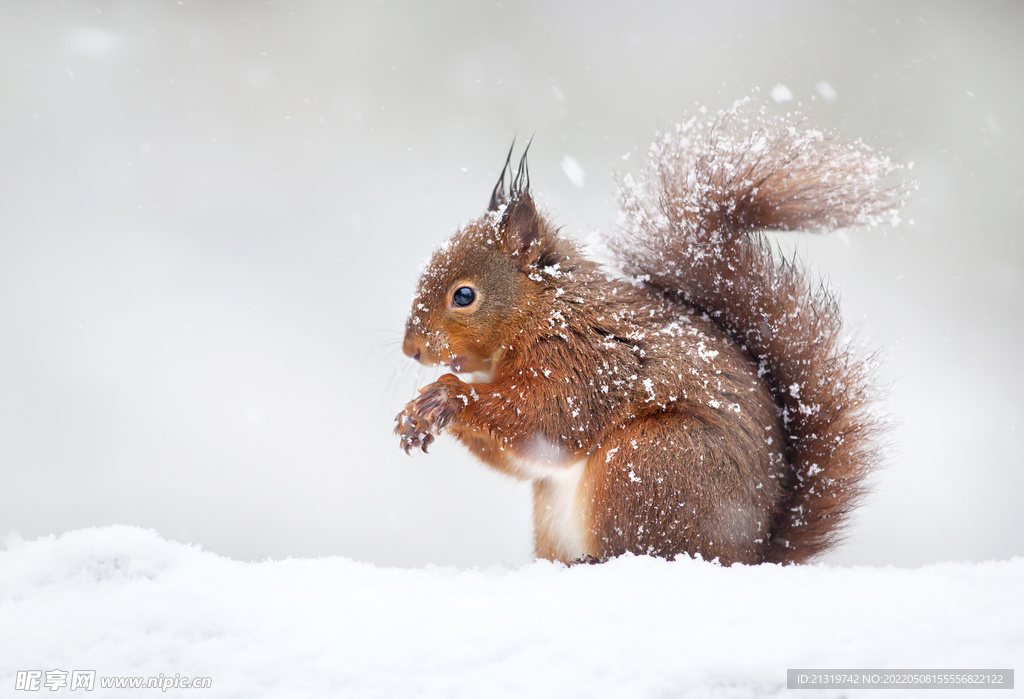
[124,602]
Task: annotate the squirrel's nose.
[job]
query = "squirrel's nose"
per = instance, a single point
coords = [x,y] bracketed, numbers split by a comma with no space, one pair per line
[411,348]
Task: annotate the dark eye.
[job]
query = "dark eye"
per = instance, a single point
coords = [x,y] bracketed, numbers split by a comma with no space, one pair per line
[463,296]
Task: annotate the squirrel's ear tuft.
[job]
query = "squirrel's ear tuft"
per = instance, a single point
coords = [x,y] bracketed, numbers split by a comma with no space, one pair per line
[520,222]
[498,197]
[520,181]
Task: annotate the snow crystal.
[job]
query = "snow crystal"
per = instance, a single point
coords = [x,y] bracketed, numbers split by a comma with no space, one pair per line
[704,353]
[826,90]
[573,170]
[993,125]
[781,93]
[649,387]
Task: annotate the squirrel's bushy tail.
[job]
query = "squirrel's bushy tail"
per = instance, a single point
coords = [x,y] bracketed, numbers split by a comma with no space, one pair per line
[692,226]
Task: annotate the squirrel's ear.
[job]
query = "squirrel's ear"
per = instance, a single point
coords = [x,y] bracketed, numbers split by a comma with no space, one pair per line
[521,225]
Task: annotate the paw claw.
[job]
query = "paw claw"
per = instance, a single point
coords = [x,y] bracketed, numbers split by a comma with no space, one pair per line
[425,417]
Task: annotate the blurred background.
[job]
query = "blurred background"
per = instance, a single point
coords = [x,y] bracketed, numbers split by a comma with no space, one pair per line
[212,216]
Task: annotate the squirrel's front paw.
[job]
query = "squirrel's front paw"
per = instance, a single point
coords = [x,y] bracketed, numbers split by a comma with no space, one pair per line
[426,416]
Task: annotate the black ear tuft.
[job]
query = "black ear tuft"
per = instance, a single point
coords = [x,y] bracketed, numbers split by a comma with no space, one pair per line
[498,195]
[521,182]
[520,223]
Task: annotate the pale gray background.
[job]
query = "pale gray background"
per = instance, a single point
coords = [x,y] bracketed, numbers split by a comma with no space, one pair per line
[212,214]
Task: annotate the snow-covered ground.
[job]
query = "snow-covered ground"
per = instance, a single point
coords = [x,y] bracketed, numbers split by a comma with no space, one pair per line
[124,602]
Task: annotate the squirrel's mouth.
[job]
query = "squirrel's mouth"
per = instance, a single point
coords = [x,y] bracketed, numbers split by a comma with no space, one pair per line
[475,370]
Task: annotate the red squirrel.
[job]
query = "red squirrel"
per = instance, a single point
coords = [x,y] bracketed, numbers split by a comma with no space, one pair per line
[703,403]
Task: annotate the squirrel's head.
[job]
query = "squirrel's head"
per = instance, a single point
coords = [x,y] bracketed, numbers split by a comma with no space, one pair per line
[476,293]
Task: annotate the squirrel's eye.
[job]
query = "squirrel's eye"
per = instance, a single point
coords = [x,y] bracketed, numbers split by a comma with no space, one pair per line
[463,296]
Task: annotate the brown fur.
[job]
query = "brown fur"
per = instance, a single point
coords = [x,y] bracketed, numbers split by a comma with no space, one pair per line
[712,408]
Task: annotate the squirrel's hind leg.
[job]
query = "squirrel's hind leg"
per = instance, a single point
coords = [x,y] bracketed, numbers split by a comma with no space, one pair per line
[666,485]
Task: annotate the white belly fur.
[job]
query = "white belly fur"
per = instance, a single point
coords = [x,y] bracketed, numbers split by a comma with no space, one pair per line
[561,516]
